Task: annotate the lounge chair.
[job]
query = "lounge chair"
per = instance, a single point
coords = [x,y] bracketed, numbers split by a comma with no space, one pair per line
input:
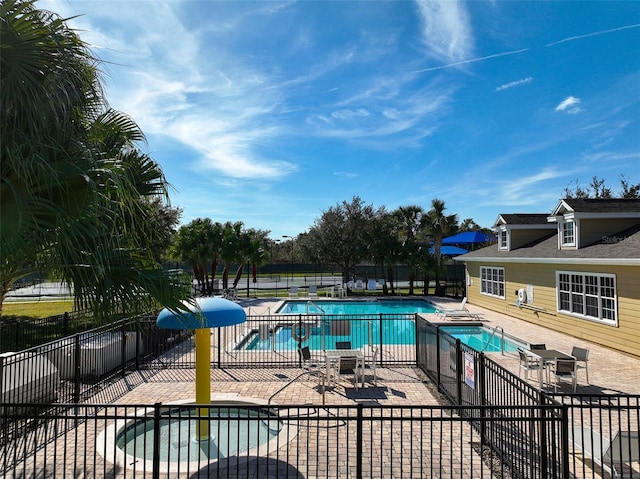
[293,292]
[461,309]
[313,291]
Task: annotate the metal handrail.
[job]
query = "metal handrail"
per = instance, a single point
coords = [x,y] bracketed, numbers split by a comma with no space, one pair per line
[314,304]
[491,337]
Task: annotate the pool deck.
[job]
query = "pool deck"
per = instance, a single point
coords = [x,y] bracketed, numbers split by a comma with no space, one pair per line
[609,371]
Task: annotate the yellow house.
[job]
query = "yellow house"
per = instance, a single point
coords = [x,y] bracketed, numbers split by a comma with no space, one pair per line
[576,270]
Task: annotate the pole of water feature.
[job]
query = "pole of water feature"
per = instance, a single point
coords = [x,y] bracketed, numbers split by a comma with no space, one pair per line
[203,381]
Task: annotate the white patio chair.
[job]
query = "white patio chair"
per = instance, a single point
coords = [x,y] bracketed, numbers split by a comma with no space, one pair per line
[528,363]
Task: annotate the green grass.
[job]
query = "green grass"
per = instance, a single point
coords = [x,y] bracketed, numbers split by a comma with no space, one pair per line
[36,309]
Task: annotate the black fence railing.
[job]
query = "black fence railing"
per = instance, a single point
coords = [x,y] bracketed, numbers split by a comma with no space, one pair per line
[17,334]
[497,417]
[230,441]
[466,376]
[602,429]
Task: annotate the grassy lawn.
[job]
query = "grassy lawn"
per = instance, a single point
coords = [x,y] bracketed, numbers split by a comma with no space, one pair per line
[36,309]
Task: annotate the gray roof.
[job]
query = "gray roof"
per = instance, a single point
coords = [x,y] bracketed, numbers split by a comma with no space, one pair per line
[525,218]
[622,247]
[603,205]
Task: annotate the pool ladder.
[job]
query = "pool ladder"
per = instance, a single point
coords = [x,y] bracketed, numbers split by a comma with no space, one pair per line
[311,303]
[491,337]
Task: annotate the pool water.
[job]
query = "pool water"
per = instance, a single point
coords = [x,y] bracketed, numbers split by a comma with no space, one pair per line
[396,331]
[381,306]
[483,339]
[233,431]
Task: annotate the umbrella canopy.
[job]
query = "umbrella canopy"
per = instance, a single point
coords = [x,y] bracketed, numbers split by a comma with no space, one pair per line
[449,250]
[469,237]
[206,313]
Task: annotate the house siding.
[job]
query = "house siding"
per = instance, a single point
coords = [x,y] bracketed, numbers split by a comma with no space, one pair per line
[593,230]
[624,337]
[521,237]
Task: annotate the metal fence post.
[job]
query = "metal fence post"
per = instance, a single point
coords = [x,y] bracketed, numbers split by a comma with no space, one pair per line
[123,350]
[458,373]
[155,472]
[380,356]
[76,369]
[360,439]
[438,362]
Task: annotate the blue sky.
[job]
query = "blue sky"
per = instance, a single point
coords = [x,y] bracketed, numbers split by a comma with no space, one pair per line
[271,112]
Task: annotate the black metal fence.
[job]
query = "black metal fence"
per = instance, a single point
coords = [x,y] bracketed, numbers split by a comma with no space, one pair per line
[285,441]
[17,334]
[500,423]
[601,429]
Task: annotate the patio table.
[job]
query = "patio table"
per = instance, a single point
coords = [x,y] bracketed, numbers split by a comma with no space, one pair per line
[547,356]
[332,356]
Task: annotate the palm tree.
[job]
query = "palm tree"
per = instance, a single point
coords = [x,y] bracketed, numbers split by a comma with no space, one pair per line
[409,220]
[74,188]
[438,226]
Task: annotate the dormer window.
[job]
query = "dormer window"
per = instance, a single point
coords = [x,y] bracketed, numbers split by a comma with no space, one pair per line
[568,233]
[503,240]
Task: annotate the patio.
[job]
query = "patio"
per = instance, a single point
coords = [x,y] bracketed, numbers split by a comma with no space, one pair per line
[397,422]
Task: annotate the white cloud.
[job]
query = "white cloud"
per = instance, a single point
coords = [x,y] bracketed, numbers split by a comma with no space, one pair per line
[346,174]
[446,29]
[570,105]
[512,84]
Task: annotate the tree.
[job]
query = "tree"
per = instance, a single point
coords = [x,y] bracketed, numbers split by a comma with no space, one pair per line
[74,188]
[251,249]
[409,220]
[384,247]
[342,234]
[598,189]
[438,226]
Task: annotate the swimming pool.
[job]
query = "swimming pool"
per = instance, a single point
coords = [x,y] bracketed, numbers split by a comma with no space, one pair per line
[373,306]
[323,334]
[484,339]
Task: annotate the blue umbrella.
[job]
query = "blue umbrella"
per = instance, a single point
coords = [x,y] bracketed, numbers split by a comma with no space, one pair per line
[469,237]
[449,250]
[206,313]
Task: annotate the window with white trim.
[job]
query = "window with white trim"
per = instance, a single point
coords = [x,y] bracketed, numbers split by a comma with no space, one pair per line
[588,295]
[492,281]
[568,233]
[503,240]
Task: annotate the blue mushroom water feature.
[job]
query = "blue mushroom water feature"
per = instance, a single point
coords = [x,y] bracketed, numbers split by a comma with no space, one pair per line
[205,314]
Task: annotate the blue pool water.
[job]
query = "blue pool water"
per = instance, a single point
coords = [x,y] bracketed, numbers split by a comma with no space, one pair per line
[483,339]
[361,331]
[384,306]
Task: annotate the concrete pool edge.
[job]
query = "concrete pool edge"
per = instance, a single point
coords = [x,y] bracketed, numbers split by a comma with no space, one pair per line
[106,441]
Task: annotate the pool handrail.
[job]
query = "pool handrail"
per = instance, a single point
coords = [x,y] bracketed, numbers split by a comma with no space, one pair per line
[309,302]
[495,329]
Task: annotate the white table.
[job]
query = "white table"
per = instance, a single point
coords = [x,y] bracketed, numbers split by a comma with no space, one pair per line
[333,356]
[547,356]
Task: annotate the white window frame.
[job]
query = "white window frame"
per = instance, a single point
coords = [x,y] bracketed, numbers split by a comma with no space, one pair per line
[503,235]
[492,282]
[586,295]
[565,239]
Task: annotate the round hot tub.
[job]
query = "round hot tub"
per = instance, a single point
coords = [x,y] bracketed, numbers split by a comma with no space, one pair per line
[236,429]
